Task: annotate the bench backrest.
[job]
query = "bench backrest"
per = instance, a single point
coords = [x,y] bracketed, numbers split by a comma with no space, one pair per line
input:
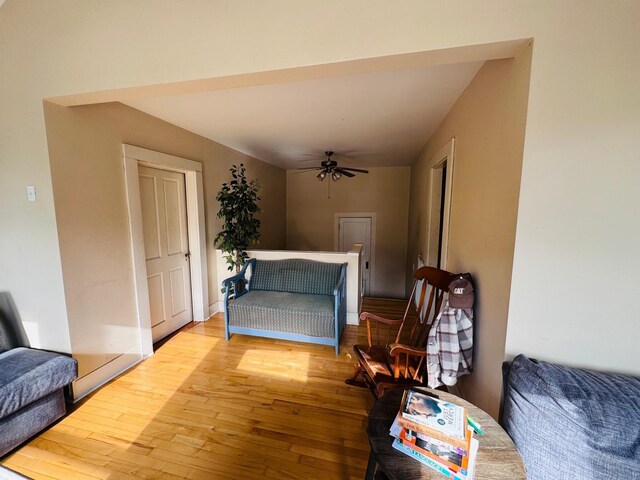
[295,275]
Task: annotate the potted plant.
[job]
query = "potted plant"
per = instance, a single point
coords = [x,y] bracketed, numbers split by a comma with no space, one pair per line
[238,207]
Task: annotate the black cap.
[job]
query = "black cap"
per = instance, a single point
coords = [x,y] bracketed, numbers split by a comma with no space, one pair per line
[461,291]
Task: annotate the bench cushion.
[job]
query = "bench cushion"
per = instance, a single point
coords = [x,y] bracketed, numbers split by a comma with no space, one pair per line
[27,375]
[295,275]
[572,423]
[284,312]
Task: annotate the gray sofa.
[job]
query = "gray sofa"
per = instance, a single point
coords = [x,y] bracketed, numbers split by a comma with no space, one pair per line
[31,382]
[573,424]
[292,299]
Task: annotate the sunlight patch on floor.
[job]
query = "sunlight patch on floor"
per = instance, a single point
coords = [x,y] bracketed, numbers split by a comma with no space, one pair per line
[273,363]
[143,387]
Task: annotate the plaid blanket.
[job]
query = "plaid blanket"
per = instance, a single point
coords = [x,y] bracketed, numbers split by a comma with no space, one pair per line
[450,346]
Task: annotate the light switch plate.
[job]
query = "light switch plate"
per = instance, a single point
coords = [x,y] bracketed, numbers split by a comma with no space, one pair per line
[31,193]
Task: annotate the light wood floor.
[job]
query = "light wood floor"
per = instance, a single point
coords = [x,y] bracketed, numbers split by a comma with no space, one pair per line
[202,408]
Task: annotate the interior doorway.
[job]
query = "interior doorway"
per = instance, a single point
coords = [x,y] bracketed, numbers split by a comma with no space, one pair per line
[440,168]
[194,279]
[166,246]
[358,228]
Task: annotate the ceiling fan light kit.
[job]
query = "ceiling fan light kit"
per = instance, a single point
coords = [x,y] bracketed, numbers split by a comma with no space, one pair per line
[330,167]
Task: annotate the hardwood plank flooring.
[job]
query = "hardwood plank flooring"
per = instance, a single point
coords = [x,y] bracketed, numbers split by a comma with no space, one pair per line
[203,408]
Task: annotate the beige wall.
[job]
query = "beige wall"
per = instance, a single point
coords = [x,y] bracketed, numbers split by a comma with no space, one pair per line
[488,123]
[384,191]
[579,191]
[85,150]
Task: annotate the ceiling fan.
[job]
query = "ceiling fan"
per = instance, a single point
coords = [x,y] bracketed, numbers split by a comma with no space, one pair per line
[330,168]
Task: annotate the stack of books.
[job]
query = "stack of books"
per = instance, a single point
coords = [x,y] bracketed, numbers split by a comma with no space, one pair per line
[436,433]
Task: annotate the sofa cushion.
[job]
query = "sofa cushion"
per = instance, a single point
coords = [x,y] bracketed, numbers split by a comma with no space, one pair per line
[569,423]
[27,375]
[295,275]
[284,312]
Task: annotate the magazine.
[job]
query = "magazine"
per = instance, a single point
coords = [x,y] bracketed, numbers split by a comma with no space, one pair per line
[435,414]
[467,475]
[449,454]
[453,457]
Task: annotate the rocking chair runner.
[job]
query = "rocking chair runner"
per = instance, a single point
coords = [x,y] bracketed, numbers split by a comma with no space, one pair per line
[384,365]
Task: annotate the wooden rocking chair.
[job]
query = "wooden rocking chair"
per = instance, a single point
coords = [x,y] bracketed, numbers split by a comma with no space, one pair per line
[401,363]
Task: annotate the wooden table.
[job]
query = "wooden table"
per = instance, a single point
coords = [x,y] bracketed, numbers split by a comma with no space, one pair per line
[497,455]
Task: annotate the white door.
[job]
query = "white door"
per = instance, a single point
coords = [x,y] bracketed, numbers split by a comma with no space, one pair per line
[164,224]
[352,230]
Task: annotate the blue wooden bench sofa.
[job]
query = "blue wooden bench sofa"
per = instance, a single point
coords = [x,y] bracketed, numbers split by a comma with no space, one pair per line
[292,299]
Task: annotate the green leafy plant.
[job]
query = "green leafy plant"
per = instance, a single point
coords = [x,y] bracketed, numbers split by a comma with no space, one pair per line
[238,208]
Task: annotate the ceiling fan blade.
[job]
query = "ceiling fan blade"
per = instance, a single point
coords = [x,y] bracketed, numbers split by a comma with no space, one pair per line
[310,168]
[344,172]
[359,170]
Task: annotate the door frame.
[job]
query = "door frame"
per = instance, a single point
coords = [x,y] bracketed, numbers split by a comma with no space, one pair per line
[336,240]
[444,154]
[134,156]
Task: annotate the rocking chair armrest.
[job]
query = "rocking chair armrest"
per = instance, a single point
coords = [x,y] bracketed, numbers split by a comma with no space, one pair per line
[370,316]
[396,348]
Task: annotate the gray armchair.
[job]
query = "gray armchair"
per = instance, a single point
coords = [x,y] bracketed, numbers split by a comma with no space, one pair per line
[32,381]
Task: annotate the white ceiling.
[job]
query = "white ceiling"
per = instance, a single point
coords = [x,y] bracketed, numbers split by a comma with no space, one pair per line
[369,120]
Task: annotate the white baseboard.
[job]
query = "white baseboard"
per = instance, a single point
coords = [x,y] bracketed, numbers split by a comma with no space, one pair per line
[94,380]
[216,307]
[352,318]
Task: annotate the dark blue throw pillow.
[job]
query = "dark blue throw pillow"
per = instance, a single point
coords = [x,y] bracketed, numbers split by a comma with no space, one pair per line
[569,423]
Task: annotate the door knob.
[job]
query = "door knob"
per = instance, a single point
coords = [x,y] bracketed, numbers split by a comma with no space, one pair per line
[187,255]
